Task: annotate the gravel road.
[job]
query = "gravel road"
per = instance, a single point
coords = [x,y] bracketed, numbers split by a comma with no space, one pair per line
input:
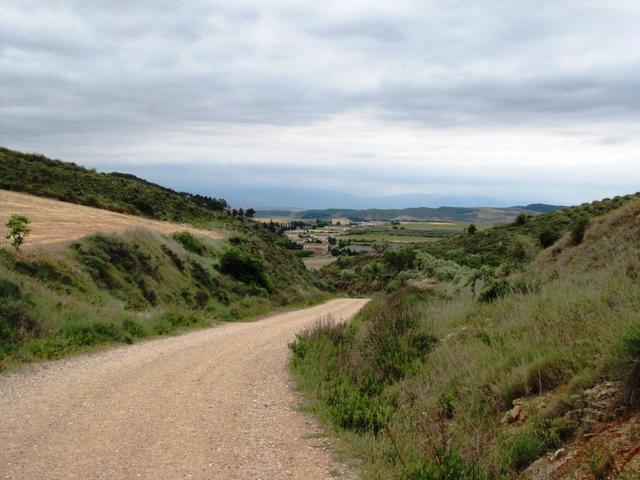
[214,403]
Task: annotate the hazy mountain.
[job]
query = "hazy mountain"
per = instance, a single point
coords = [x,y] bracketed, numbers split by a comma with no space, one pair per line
[291,198]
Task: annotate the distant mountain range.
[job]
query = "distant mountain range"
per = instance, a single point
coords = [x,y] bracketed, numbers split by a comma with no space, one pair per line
[296,198]
[481,215]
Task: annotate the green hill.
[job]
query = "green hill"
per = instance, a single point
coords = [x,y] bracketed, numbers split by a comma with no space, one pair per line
[125,193]
[519,241]
[480,215]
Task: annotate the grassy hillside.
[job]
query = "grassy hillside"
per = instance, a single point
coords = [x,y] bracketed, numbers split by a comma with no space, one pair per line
[519,241]
[117,288]
[39,175]
[109,288]
[479,215]
[479,376]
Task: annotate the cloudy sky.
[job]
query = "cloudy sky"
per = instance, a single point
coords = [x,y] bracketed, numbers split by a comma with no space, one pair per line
[511,100]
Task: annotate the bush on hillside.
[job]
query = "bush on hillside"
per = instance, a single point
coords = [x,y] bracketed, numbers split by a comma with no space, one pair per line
[16,318]
[400,259]
[632,377]
[522,249]
[243,267]
[548,237]
[521,219]
[578,229]
[190,242]
[501,287]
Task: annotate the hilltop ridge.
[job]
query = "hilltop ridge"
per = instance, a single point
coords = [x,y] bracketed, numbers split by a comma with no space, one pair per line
[119,192]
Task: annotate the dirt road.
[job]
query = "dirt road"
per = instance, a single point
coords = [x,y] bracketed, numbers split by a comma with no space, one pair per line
[53,221]
[215,404]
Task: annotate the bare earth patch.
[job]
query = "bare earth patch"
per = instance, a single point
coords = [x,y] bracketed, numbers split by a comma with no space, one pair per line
[53,221]
[215,403]
[315,263]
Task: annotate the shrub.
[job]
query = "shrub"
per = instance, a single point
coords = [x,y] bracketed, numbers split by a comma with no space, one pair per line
[578,229]
[190,242]
[521,249]
[244,267]
[85,334]
[400,259]
[632,377]
[16,317]
[521,219]
[446,464]
[472,229]
[522,448]
[498,288]
[133,328]
[548,237]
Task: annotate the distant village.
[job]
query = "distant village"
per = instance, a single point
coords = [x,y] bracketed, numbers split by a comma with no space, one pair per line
[323,239]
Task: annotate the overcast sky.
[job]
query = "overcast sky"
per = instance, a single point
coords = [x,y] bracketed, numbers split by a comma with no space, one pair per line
[514,100]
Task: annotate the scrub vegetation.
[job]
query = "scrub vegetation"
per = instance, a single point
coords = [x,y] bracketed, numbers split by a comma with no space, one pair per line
[114,288]
[473,359]
[119,192]
[105,289]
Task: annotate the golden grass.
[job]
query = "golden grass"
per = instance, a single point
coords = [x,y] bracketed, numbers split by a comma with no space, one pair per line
[55,222]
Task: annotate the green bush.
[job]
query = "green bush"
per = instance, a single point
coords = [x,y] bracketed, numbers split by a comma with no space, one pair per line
[548,237]
[578,229]
[85,334]
[446,464]
[502,287]
[400,259]
[521,219]
[190,242]
[16,316]
[244,267]
[632,375]
[521,449]
[354,410]
[133,328]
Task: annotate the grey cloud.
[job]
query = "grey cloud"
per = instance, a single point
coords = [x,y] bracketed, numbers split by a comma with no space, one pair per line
[74,72]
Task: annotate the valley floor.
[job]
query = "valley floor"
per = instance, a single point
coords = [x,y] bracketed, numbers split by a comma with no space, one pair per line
[215,403]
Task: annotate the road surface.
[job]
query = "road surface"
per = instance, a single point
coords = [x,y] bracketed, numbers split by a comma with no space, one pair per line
[214,403]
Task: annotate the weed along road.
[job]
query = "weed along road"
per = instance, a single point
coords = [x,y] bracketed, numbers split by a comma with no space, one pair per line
[215,403]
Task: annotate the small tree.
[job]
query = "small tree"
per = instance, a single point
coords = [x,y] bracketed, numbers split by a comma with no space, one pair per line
[18,230]
[249,213]
[472,229]
[521,219]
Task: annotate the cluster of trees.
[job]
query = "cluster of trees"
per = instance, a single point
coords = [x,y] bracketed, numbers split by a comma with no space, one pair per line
[210,203]
[249,213]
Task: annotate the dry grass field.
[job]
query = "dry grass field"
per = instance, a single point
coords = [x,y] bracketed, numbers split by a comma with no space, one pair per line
[54,222]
